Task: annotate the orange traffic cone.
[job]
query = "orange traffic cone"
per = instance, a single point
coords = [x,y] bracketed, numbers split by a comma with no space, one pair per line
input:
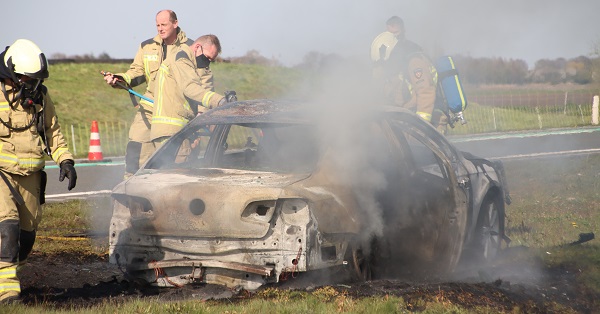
[95,152]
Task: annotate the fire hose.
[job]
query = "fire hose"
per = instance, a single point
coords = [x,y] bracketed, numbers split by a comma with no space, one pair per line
[122,84]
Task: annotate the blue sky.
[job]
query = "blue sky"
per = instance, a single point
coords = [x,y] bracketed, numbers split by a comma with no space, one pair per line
[287,30]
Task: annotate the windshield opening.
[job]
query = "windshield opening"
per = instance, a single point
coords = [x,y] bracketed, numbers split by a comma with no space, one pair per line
[255,147]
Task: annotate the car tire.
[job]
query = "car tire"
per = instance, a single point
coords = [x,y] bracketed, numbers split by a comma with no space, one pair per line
[489,230]
[361,265]
[488,233]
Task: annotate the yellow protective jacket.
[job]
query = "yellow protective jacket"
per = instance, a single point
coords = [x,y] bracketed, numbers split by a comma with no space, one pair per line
[22,151]
[206,76]
[412,81]
[147,62]
[180,94]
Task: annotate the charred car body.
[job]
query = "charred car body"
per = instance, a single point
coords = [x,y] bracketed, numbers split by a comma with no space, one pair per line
[254,190]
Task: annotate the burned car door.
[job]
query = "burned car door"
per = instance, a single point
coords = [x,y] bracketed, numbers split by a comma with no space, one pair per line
[427,206]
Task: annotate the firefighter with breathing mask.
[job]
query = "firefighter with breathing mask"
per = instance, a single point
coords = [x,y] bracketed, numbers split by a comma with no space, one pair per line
[406,74]
[180,91]
[29,129]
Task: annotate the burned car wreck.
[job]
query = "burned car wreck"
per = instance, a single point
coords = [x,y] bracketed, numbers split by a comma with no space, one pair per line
[254,190]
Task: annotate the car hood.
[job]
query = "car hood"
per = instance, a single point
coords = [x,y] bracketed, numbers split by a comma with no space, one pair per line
[200,203]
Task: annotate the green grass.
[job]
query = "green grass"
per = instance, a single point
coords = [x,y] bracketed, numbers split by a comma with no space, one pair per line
[81,96]
[486,119]
[256,82]
[322,300]
[554,199]
[72,227]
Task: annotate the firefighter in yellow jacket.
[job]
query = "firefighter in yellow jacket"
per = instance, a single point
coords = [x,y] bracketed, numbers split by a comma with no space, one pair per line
[144,68]
[180,93]
[408,76]
[28,129]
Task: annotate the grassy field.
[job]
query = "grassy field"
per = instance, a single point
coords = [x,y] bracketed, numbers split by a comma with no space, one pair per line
[81,96]
[556,200]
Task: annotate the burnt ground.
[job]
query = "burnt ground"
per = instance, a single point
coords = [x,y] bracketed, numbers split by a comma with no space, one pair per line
[516,280]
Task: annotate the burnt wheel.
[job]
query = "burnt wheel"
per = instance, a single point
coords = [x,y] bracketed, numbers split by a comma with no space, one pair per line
[361,265]
[489,230]
[488,234]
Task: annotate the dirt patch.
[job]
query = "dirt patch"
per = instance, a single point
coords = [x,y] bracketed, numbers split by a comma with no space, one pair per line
[67,280]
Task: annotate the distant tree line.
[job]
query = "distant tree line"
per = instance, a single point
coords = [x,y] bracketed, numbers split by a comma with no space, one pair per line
[580,70]
[85,57]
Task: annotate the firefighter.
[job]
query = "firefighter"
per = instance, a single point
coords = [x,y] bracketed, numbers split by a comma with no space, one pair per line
[180,91]
[407,75]
[28,129]
[144,68]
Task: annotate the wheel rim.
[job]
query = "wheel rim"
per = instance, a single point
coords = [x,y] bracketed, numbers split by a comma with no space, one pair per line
[491,232]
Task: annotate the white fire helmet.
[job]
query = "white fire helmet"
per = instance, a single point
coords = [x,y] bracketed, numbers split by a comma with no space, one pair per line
[382,46]
[26,58]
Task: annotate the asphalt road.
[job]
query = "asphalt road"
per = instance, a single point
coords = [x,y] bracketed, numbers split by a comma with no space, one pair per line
[99,178]
[93,178]
[532,144]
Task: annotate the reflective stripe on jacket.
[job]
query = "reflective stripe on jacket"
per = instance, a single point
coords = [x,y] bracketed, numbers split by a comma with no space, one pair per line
[146,64]
[22,152]
[179,94]
[412,79]
[423,82]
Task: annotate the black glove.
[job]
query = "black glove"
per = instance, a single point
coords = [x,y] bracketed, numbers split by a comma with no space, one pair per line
[230,96]
[67,169]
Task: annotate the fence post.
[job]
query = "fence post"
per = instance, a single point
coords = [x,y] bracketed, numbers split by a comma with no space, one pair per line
[537,110]
[595,110]
[81,137]
[73,140]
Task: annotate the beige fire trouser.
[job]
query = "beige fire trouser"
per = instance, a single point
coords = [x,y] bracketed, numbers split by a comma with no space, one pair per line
[29,216]
[140,132]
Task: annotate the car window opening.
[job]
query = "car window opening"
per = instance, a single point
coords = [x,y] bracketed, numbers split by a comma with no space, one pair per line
[254,147]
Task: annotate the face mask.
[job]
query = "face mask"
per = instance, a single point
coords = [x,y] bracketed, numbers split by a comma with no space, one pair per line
[30,93]
[202,61]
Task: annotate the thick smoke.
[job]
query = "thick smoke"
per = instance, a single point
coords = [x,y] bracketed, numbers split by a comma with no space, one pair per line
[342,95]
